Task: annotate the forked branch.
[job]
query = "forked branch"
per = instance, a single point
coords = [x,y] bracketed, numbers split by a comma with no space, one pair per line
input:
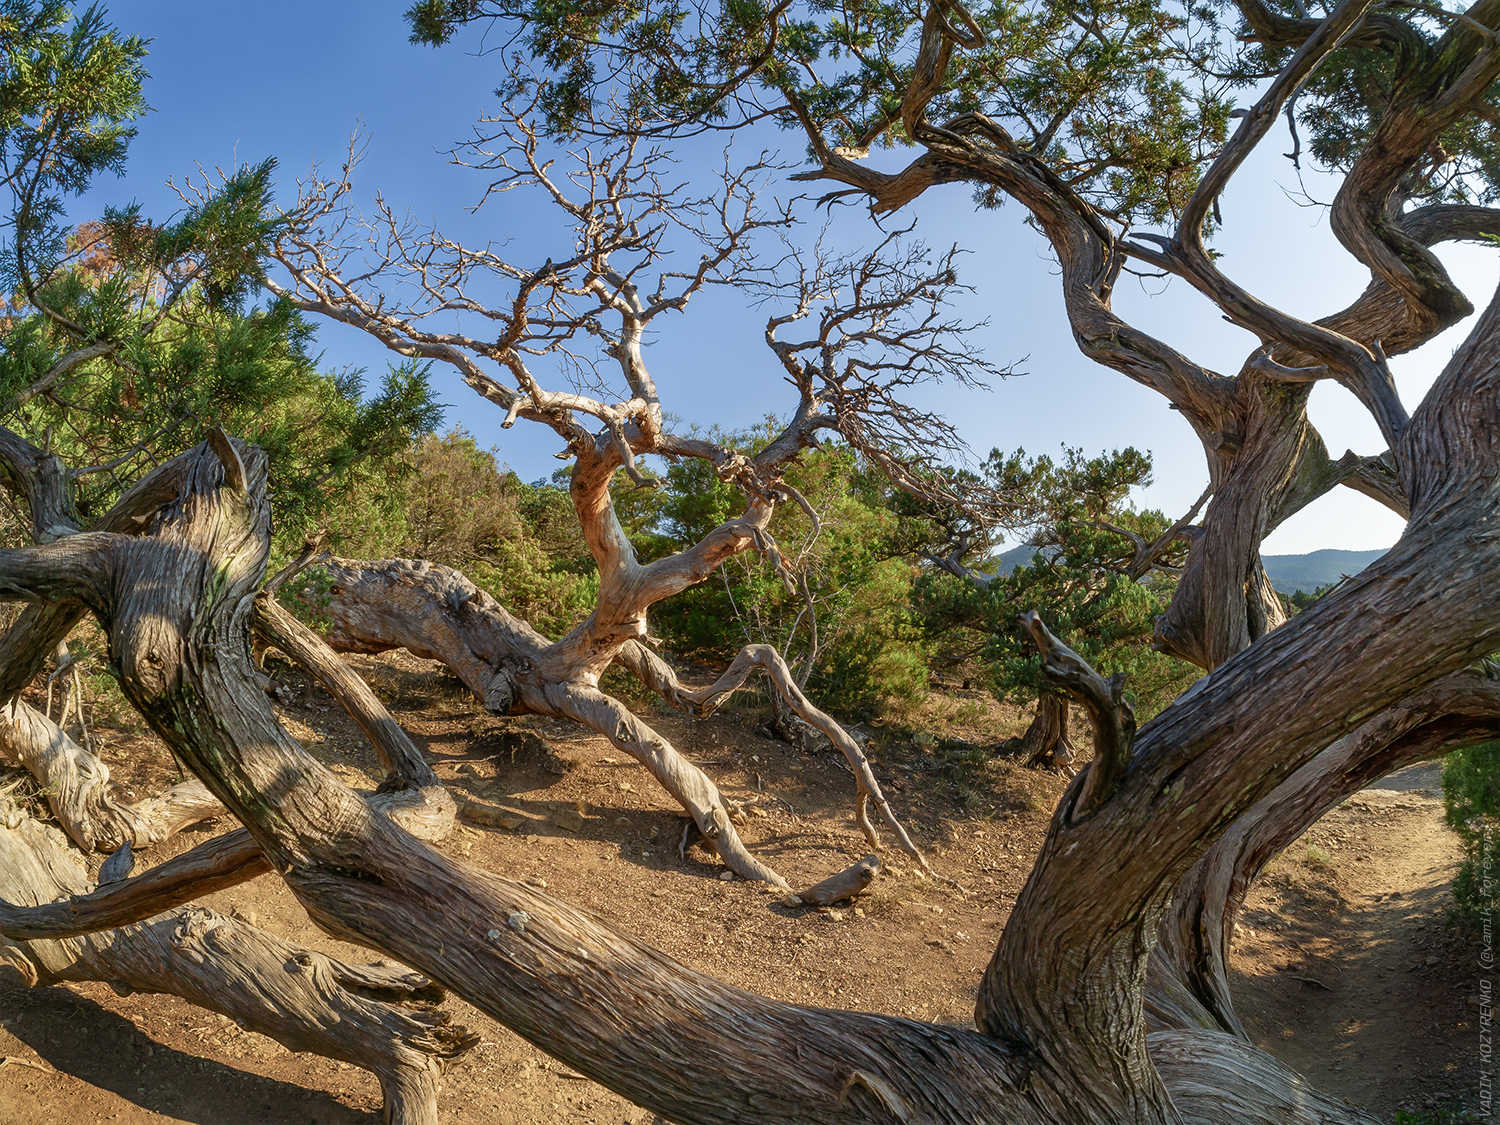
[1110,712]
[659,677]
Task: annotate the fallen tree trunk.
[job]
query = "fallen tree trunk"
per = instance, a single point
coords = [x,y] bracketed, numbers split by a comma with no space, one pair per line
[686,1046]
[383,1018]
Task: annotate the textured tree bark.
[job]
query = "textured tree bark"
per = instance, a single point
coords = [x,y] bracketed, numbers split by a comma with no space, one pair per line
[1188,982]
[1224,602]
[411,793]
[1062,1028]
[849,883]
[1046,742]
[380,1017]
[1216,1078]
[1388,633]
[76,784]
[437,613]
[680,1043]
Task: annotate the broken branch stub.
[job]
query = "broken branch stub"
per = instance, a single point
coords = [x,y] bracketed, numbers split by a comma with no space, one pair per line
[849,883]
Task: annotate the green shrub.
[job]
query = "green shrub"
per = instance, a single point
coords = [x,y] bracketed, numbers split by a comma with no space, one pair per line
[1471,793]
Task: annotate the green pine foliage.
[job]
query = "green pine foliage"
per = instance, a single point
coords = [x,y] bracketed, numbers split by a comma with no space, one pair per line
[1471,795]
[70,87]
[1125,99]
[856,566]
[122,341]
[1080,579]
[519,542]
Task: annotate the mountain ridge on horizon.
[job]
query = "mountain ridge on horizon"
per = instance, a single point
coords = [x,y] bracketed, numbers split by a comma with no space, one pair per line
[1288,573]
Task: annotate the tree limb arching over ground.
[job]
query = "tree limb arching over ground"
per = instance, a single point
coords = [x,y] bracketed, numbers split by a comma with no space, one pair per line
[941,86]
[1072,1024]
[850,334]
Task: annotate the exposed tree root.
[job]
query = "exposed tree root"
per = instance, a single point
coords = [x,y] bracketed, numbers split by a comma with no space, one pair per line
[76,785]
[381,1017]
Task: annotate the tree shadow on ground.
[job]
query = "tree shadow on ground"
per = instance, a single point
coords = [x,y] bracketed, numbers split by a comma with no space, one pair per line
[77,1037]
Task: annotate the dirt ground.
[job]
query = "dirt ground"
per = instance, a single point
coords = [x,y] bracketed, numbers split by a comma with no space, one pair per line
[1356,909]
[1345,965]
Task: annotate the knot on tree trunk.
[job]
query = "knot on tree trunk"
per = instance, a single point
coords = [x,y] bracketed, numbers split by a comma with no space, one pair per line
[500,693]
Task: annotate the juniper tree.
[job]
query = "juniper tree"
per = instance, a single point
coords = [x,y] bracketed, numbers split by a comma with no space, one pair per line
[1099,571]
[1106,998]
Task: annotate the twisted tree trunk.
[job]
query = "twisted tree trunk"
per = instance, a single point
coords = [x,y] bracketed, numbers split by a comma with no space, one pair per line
[380,1017]
[1188,984]
[1061,1029]
[436,612]
[1046,742]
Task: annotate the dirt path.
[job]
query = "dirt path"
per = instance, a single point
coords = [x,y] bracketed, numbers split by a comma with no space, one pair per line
[1357,907]
[913,947]
[1344,963]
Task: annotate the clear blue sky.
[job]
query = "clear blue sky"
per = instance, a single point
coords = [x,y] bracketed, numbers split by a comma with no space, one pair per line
[234,82]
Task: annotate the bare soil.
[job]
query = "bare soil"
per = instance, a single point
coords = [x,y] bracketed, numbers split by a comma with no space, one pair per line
[1383,1024]
[1345,963]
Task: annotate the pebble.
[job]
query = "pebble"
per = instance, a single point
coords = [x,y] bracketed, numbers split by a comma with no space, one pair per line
[727,876]
[539,884]
[622,822]
[569,820]
[791,900]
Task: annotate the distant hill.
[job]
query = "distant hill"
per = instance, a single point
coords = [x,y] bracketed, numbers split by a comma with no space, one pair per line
[1288,573]
[1016,556]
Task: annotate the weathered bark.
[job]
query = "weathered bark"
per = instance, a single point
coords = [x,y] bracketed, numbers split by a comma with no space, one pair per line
[704,701]
[380,1017]
[214,865]
[76,785]
[1215,1079]
[411,793]
[1224,602]
[1188,983]
[682,1044]
[437,613]
[1099,894]
[1046,742]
